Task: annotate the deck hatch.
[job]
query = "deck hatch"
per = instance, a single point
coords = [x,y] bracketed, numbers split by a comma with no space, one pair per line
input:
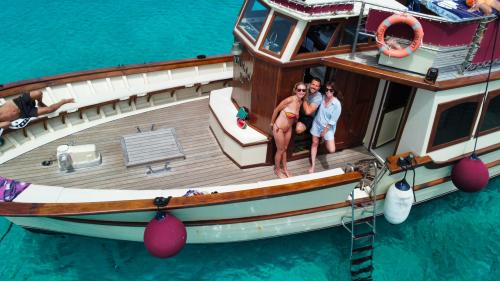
[152,146]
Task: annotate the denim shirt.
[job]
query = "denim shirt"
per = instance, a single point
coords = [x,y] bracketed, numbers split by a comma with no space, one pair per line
[328,115]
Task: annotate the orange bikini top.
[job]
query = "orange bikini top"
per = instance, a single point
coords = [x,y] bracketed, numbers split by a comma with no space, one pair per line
[290,115]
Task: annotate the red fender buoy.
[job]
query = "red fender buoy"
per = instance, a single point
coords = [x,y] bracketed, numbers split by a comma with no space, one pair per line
[165,235]
[470,174]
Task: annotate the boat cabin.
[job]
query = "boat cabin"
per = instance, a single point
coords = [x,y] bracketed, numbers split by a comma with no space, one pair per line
[390,105]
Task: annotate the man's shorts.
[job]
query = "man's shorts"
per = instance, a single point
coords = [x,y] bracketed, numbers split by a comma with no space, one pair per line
[307,121]
[26,105]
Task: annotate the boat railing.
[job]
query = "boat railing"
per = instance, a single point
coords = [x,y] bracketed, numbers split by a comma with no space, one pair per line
[105,99]
[470,35]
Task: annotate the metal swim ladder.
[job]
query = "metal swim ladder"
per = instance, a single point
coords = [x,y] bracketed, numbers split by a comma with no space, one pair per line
[361,224]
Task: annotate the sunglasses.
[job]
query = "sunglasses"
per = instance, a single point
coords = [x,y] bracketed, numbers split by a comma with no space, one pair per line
[330,90]
[301,90]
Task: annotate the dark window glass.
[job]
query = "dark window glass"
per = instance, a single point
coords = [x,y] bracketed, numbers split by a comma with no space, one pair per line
[253,18]
[455,123]
[348,34]
[492,118]
[277,35]
[317,38]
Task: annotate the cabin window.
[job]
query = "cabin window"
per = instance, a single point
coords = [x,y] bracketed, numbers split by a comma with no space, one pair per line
[454,122]
[491,113]
[253,19]
[318,38]
[348,33]
[278,34]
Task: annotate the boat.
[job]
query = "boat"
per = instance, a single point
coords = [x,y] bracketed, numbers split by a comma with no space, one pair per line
[145,142]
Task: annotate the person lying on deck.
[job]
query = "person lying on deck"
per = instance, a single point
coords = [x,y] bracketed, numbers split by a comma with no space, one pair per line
[24,107]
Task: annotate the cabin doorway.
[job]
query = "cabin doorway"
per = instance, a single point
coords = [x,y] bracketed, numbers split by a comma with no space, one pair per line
[358,97]
[393,113]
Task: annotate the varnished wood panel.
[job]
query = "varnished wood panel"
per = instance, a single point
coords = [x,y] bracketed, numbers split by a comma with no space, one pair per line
[264,88]
[358,96]
[242,86]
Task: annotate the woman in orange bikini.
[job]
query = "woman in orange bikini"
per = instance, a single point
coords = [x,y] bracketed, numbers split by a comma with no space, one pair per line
[284,115]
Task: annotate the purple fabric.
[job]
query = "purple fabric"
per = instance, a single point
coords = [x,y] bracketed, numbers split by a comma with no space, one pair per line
[483,55]
[9,189]
[314,9]
[435,33]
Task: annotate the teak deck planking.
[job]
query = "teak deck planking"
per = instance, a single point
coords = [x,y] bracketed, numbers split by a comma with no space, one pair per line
[205,164]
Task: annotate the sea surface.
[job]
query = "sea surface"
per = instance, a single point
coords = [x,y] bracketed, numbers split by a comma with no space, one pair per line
[453,238]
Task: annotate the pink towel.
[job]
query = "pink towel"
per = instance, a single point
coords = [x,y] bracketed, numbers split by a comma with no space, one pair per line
[9,189]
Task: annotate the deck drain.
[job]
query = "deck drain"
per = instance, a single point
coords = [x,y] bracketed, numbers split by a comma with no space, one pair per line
[47,163]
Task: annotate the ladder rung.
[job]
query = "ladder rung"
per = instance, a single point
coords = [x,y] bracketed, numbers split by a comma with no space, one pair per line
[363,220]
[361,260]
[362,249]
[364,235]
[362,270]
[363,204]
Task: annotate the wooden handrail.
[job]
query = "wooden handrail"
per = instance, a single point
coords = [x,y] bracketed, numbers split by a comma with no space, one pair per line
[14,88]
[88,208]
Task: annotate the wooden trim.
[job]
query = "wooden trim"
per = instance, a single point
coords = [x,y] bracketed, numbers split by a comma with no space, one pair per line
[285,44]
[491,95]
[436,165]
[234,161]
[304,62]
[406,79]
[69,209]
[372,71]
[392,162]
[242,31]
[231,136]
[448,105]
[15,88]
[255,218]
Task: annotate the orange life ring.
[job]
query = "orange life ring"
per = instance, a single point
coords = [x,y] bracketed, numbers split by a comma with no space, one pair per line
[403,52]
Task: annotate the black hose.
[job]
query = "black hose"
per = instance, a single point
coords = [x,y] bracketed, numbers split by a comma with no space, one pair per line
[6,232]
[487,83]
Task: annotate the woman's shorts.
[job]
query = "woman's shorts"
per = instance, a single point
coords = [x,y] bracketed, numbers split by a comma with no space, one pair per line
[317,129]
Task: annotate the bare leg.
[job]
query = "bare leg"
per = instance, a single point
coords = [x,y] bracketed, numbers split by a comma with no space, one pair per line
[279,138]
[53,107]
[4,124]
[38,96]
[314,151]
[288,136]
[300,128]
[330,145]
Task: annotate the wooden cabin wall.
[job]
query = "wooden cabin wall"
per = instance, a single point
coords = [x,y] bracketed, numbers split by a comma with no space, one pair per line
[359,93]
[264,87]
[242,85]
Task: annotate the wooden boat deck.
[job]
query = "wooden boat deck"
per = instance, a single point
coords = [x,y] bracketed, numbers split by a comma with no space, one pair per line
[204,165]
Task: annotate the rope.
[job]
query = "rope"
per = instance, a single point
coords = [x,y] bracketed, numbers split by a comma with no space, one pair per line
[487,85]
[6,232]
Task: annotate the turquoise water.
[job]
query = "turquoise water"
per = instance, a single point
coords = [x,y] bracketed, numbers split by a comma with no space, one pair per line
[452,238]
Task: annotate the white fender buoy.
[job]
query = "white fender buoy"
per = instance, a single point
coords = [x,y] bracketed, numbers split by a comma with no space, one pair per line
[398,202]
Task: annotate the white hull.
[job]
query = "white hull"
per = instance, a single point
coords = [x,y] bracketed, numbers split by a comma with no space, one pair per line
[241,221]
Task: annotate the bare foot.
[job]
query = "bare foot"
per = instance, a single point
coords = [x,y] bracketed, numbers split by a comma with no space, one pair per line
[311,170]
[279,174]
[287,173]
